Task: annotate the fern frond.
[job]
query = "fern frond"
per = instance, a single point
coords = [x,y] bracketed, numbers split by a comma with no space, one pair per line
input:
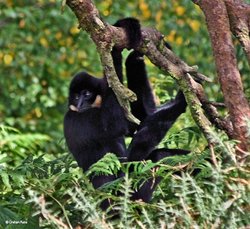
[107,165]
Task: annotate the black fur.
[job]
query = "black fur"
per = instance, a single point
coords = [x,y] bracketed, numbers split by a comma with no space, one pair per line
[153,129]
[138,83]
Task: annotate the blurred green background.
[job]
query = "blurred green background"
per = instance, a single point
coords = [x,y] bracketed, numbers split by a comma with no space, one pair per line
[41,48]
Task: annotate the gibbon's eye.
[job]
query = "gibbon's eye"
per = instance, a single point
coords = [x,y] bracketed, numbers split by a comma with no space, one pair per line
[86,94]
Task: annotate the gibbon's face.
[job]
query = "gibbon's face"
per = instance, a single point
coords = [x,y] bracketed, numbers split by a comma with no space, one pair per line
[84,93]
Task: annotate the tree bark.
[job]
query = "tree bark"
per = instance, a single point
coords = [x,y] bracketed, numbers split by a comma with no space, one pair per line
[226,65]
[239,16]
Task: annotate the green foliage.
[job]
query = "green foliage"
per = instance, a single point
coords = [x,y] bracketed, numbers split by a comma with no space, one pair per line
[62,195]
[37,61]
[107,165]
[19,145]
[32,173]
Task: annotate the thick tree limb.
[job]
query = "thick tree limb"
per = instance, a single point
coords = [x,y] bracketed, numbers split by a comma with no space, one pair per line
[169,62]
[226,65]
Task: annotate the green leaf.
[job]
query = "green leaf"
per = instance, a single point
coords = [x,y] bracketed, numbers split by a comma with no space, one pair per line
[5,179]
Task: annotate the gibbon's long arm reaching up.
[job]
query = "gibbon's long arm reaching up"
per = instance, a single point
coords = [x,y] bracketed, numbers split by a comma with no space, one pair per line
[133,30]
[155,122]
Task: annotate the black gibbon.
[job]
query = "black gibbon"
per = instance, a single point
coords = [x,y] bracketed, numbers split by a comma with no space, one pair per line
[95,123]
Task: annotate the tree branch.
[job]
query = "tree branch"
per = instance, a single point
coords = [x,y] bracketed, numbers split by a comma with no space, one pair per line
[106,36]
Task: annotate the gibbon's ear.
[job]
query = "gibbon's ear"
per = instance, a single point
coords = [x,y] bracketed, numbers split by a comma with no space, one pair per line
[97,102]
